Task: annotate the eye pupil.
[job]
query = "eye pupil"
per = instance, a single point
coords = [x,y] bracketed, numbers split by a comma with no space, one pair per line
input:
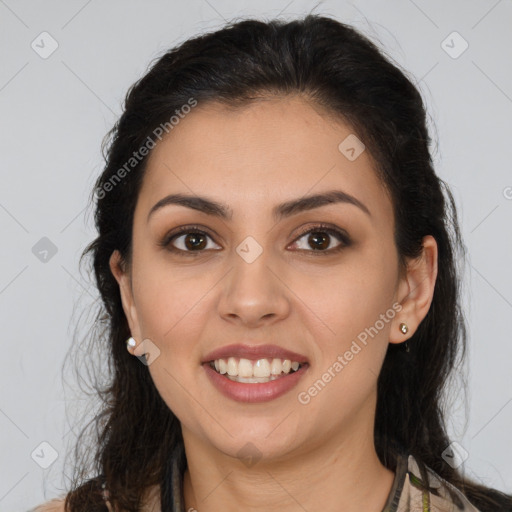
[320,236]
[195,237]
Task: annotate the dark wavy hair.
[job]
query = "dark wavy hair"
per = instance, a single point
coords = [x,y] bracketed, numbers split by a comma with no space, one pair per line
[138,441]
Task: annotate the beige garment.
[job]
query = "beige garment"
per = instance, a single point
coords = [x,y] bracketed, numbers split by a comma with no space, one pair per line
[410,494]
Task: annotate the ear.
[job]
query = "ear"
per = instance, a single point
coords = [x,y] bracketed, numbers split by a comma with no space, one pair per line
[416,291]
[123,278]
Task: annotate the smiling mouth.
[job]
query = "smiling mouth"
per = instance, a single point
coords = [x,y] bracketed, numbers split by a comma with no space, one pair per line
[255,371]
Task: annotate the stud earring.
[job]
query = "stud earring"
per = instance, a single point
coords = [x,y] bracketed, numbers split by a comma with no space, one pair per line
[403,327]
[130,343]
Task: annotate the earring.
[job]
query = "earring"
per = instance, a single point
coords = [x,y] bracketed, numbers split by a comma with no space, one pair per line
[130,343]
[403,327]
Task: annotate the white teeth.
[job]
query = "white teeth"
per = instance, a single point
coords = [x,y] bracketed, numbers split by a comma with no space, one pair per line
[245,368]
[276,367]
[232,366]
[261,370]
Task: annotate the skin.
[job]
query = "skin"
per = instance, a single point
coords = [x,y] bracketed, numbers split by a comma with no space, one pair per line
[319,456]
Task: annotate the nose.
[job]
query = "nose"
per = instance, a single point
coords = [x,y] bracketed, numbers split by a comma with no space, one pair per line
[254,294]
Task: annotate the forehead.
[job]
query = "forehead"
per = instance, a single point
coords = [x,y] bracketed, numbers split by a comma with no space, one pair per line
[269,151]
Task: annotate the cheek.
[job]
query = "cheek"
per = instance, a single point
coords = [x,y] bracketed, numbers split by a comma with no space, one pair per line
[171,312]
[165,292]
[358,310]
[351,297]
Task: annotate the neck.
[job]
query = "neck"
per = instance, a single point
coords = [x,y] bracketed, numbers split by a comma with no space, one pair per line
[343,473]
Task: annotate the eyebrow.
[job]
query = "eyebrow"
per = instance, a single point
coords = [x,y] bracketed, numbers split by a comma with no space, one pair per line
[279,212]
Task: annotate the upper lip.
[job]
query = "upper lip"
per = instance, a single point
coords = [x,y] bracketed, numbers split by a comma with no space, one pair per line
[241,350]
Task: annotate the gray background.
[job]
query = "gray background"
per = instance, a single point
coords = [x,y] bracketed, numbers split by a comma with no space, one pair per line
[54,113]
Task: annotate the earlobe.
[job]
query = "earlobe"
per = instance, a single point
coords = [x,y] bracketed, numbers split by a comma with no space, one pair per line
[416,291]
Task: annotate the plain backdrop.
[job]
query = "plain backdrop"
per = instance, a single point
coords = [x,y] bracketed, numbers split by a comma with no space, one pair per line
[55,108]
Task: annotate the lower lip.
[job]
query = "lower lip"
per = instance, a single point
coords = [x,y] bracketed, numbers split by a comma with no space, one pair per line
[259,392]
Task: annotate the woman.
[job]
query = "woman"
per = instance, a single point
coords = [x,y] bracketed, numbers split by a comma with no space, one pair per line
[279,284]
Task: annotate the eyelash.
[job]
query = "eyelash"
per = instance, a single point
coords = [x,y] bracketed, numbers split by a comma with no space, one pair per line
[322,228]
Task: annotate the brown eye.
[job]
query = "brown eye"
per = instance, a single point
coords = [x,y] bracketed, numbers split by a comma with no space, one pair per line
[194,241]
[319,239]
[188,239]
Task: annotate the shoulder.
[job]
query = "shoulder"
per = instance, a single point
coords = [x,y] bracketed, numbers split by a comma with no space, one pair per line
[58,505]
[91,495]
[94,489]
[55,505]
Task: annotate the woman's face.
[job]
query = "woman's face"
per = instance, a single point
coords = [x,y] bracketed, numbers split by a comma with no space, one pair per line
[254,278]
